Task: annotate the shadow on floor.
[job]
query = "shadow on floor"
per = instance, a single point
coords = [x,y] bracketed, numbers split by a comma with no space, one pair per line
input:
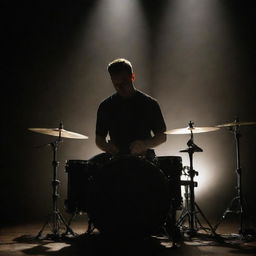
[98,245]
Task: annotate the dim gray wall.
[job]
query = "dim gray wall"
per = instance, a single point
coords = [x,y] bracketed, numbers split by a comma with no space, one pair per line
[197,58]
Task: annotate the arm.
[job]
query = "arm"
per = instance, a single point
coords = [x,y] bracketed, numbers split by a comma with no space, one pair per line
[102,130]
[105,146]
[157,126]
[156,140]
[141,146]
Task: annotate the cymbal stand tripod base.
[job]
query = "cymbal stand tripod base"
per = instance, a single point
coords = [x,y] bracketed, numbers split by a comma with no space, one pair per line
[237,204]
[192,209]
[55,219]
[194,227]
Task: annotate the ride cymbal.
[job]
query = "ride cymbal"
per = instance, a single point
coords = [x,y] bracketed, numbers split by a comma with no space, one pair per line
[59,132]
[188,130]
[235,124]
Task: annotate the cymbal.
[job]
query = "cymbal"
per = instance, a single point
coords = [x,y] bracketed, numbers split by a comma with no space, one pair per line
[236,124]
[188,130]
[57,131]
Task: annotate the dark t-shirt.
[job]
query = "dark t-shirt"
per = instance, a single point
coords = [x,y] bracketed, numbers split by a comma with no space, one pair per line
[129,119]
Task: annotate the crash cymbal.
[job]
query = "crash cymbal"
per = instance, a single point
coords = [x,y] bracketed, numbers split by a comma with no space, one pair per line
[57,131]
[235,124]
[188,130]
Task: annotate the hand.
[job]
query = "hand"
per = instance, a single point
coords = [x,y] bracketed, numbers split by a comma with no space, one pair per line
[138,147]
[111,148]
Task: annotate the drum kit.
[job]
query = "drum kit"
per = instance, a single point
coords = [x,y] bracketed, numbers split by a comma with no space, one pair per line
[146,192]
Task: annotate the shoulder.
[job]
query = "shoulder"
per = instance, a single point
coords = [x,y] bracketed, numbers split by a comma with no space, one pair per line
[108,101]
[146,97]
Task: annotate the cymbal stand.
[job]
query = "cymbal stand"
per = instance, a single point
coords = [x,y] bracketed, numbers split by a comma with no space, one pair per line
[238,208]
[191,208]
[55,219]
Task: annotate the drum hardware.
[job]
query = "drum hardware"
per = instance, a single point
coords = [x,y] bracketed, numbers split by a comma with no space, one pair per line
[172,168]
[191,208]
[55,218]
[187,183]
[240,208]
[187,208]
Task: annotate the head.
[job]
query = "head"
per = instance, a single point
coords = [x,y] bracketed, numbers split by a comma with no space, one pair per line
[122,76]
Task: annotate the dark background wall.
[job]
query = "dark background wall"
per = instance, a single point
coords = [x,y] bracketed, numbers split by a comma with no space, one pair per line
[197,58]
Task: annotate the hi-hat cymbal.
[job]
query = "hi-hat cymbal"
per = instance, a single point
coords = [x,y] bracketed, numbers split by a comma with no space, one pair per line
[188,130]
[235,124]
[57,131]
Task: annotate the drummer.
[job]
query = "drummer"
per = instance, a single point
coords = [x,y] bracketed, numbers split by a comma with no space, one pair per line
[132,119]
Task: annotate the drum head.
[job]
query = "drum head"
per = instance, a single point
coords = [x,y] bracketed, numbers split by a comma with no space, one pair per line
[129,195]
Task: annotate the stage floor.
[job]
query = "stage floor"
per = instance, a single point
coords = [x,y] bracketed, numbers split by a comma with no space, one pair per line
[19,240]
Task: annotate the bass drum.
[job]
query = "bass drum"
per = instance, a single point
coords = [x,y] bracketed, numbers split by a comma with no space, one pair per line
[129,195]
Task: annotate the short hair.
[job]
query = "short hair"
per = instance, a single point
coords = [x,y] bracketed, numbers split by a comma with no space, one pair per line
[118,65]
